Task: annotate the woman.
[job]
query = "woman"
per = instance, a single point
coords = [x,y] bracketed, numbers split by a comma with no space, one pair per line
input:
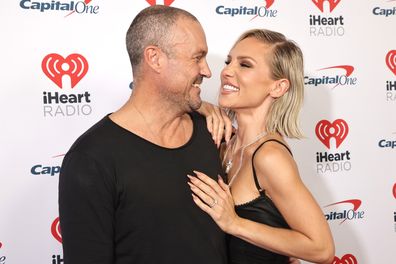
[268,212]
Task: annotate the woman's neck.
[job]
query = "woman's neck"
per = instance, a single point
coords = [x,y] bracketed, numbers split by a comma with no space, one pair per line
[249,128]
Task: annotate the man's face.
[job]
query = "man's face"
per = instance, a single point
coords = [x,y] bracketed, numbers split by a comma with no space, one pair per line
[186,65]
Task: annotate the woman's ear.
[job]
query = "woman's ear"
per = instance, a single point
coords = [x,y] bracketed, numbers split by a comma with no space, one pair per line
[152,57]
[281,87]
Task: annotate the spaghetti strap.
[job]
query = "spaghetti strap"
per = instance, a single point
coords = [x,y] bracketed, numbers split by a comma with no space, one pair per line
[256,182]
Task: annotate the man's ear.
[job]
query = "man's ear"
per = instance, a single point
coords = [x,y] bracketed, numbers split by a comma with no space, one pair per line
[281,87]
[153,57]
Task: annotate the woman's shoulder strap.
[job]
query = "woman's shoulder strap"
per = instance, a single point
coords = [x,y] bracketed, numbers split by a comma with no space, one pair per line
[256,182]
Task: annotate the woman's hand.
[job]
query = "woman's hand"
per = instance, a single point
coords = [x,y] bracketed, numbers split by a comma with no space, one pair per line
[294,261]
[217,121]
[215,199]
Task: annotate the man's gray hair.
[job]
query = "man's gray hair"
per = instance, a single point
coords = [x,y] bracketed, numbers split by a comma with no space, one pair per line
[152,26]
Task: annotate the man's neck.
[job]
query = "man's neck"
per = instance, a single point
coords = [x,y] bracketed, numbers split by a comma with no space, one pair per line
[150,118]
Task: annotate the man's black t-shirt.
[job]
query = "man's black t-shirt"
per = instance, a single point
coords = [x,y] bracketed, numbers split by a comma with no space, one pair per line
[125,200]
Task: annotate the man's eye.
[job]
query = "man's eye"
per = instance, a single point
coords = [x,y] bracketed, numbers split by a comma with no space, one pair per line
[227,62]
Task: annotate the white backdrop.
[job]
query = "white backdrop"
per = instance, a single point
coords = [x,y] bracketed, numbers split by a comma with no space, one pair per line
[349,117]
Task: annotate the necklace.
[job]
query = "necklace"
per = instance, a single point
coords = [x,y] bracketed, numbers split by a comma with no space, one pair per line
[229,162]
[155,135]
[145,121]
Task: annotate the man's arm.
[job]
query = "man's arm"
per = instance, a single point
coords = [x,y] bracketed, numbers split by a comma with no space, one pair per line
[86,210]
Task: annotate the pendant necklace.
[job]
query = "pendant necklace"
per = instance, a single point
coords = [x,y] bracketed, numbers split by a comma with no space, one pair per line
[229,163]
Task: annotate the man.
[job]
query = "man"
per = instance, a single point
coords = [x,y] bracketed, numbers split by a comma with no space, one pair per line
[123,192]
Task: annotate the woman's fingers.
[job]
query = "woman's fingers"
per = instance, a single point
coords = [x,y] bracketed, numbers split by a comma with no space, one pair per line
[210,183]
[228,129]
[223,185]
[206,198]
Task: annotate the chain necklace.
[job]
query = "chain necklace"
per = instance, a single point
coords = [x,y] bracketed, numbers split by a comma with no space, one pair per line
[155,135]
[145,121]
[229,162]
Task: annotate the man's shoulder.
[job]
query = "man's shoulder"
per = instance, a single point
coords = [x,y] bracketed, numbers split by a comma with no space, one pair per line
[98,136]
[197,118]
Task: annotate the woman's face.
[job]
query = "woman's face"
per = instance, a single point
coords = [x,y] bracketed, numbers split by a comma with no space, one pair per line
[245,79]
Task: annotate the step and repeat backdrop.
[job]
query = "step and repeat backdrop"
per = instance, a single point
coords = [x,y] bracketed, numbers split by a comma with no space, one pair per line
[64,65]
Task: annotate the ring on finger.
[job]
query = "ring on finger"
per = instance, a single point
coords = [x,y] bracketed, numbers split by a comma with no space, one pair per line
[213,203]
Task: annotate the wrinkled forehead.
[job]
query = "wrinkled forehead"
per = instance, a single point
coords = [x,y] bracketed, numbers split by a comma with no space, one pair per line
[188,32]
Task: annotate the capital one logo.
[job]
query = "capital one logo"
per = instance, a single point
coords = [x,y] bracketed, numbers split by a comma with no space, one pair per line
[320,4]
[55,67]
[391,61]
[346,214]
[154,2]
[2,258]
[340,79]
[325,131]
[346,259]
[269,3]
[55,230]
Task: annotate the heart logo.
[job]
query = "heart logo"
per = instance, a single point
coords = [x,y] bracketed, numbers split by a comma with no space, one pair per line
[325,131]
[55,230]
[346,259]
[391,61]
[394,190]
[55,66]
[332,4]
[154,2]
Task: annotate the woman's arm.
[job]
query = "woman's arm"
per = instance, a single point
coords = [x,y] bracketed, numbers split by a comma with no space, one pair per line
[309,237]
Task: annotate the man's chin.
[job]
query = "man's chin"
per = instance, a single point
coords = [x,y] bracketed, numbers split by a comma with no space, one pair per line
[194,106]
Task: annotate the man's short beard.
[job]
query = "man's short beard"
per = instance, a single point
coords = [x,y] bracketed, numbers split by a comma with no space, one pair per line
[195,106]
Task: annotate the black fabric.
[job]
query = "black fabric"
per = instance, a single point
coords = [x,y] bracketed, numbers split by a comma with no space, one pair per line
[256,182]
[124,200]
[261,210]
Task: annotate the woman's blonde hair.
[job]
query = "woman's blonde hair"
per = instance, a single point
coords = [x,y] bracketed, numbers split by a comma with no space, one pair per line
[285,62]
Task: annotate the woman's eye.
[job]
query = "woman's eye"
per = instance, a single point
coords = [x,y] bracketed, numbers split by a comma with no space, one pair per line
[245,65]
[227,62]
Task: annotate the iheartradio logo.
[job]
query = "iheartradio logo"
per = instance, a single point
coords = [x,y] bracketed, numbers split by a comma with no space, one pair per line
[391,61]
[325,131]
[55,230]
[165,2]
[346,259]
[332,4]
[55,67]
[394,190]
